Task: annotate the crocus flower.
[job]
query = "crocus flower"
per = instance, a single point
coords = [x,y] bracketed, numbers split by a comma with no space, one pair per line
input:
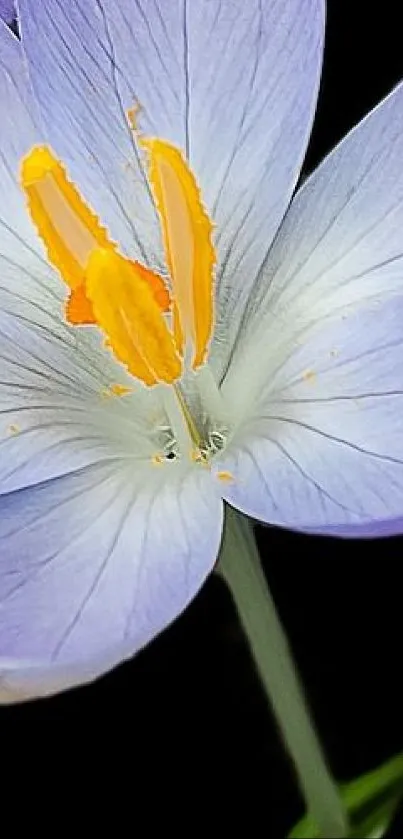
[176,329]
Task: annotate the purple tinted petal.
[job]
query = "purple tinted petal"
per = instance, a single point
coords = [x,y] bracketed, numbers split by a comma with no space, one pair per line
[340,244]
[7,10]
[99,550]
[19,244]
[370,530]
[72,66]
[94,565]
[324,449]
[317,380]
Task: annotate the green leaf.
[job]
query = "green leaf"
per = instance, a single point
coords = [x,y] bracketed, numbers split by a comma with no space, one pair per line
[371,802]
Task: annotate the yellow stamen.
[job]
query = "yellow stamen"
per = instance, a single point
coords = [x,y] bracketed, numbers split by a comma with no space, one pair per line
[187,232]
[125,308]
[79,309]
[65,223]
[155,283]
[126,299]
[177,330]
[70,230]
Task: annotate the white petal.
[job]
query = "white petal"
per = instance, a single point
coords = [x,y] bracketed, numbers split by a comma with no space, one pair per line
[324,451]
[316,382]
[93,566]
[340,243]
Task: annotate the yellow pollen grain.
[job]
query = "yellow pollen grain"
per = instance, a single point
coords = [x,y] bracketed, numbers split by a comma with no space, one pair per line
[157,460]
[13,429]
[225,477]
[120,390]
[115,390]
[132,116]
[309,376]
[197,456]
[187,235]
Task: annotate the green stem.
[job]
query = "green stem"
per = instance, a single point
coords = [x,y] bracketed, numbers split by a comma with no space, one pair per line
[240,567]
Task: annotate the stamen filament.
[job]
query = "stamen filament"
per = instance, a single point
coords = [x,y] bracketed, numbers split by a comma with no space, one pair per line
[195,436]
[176,418]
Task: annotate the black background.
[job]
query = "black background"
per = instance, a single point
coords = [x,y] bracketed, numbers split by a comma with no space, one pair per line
[183,733]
